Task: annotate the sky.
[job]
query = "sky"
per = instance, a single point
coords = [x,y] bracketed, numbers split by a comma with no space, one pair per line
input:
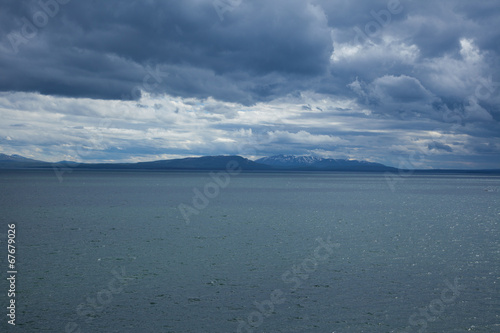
[410,84]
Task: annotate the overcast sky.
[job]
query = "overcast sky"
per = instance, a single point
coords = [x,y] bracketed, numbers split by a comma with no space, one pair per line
[414,84]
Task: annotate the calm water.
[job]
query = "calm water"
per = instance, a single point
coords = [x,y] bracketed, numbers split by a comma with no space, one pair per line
[111,252]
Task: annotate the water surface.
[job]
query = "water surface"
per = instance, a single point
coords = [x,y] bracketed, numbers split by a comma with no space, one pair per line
[110,252]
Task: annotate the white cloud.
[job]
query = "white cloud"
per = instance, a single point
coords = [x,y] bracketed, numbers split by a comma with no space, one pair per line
[453,77]
[388,49]
[303,137]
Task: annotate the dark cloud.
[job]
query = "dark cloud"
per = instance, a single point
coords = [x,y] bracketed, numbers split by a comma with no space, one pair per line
[439,146]
[101,49]
[253,51]
[414,66]
[402,89]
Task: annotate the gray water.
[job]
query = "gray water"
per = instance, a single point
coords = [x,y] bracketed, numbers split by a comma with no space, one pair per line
[111,252]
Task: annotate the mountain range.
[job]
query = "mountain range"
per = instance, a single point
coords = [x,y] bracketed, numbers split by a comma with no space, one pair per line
[278,162]
[318,163]
[273,163]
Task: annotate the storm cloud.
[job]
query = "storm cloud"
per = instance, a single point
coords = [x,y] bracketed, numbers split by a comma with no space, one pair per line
[139,80]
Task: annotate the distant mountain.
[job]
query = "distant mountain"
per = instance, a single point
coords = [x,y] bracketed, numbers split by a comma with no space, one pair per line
[278,162]
[16,158]
[273,163]
[19,162]
[323,164]
[204,163]
[190,163]
[289,161]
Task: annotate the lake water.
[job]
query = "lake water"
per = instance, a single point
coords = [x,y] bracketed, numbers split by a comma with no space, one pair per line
[109,251]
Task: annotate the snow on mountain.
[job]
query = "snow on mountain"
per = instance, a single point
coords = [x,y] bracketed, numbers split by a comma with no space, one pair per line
[318,163]
[289,161]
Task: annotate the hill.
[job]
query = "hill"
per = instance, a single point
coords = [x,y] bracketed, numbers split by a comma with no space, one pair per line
[321,164]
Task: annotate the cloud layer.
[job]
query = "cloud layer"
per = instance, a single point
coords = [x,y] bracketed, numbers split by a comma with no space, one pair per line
[140,80]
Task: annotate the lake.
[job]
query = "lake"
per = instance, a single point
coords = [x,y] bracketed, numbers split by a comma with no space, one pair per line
[103,251]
